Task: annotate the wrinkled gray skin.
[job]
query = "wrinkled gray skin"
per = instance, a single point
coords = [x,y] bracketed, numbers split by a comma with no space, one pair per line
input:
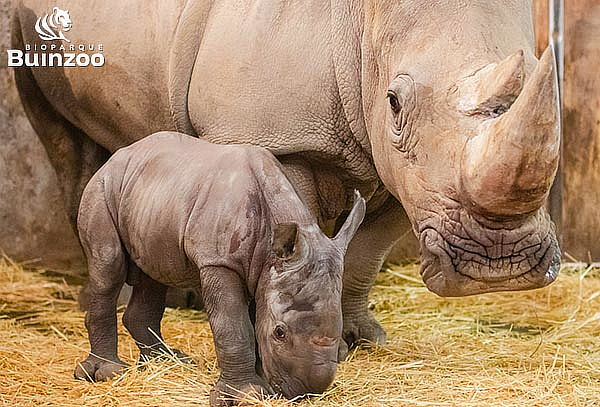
[434,109]
[175,211]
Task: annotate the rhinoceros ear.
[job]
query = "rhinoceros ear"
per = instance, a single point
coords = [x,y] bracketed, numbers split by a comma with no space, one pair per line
[355,218]
[283,241]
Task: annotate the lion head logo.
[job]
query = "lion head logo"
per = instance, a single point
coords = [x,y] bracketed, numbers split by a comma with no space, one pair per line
[51,26]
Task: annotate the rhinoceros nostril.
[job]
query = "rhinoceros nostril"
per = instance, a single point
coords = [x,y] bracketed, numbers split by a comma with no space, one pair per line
[324,341]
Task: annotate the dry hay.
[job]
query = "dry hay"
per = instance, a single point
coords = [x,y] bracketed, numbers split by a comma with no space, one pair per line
[539,348]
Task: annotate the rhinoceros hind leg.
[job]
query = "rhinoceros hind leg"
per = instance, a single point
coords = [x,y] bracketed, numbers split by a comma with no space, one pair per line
[107,269]
[143,316]
[365,256]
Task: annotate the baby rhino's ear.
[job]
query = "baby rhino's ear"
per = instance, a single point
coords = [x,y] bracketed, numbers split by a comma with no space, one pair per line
[284,239]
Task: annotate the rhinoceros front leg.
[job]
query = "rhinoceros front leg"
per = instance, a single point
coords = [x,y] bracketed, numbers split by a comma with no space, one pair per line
[226,304]
[366,253]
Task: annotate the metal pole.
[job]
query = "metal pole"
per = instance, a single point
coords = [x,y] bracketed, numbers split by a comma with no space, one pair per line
[556,32]
[556,41]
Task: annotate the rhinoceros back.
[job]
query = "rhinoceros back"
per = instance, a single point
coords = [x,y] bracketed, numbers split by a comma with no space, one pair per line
[169,191]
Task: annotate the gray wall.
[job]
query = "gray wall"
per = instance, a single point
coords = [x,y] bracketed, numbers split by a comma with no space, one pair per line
[33,221]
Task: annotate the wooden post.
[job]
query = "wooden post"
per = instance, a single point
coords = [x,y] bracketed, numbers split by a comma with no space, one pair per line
[581,118]
[540,14]
[580,170]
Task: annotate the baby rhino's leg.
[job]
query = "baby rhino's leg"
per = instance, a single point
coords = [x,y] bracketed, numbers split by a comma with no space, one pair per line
[107,272]
[143,315]
[226,304]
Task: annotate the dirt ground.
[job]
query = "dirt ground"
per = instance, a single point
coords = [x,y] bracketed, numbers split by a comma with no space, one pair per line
[539,348]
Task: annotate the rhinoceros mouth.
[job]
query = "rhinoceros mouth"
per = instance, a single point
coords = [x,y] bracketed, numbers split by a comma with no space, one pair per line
[463,257]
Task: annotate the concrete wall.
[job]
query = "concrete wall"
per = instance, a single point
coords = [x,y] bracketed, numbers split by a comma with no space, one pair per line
[33,221]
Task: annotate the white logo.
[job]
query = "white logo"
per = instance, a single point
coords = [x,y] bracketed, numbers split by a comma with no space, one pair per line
[51,26]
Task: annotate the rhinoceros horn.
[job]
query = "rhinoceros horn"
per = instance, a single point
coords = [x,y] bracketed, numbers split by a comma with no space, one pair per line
[508,168]
[493,89]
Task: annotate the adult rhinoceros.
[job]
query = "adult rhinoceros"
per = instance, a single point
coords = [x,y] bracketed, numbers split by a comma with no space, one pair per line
[435,109]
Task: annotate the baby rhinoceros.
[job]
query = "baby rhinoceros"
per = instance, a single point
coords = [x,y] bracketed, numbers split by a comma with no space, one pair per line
[172,210]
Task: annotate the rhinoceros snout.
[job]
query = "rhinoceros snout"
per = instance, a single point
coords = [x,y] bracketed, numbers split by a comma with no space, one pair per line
[317,379]
[462,257]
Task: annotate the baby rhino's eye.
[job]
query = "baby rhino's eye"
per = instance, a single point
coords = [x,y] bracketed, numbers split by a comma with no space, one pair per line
[279,332]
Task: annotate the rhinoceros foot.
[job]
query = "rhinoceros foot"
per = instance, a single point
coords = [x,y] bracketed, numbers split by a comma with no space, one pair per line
[226,394]
[94,369]
[360,329]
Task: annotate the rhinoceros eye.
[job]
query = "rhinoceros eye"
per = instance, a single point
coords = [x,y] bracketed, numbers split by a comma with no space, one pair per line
[402,98]
[279,332]
[393,100]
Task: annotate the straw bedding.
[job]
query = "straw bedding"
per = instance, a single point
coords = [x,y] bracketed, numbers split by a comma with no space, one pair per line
[539,348]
